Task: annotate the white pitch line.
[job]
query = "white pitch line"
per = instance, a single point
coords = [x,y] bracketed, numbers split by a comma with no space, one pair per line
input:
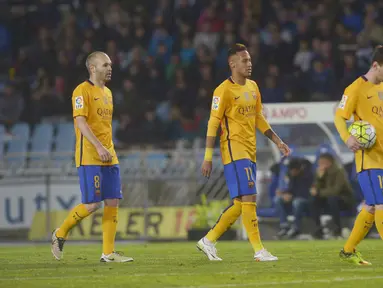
[274,283]
[185,274]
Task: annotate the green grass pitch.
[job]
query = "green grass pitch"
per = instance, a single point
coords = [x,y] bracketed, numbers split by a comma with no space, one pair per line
[301,264]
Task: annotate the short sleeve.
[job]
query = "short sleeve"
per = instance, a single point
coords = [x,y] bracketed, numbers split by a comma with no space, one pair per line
[80,102]
[218,104]
[218,107]
[347,105]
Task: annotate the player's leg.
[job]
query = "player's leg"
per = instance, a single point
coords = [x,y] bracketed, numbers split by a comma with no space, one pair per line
[246,174]
[227,218]
[376,179]
[110,183]
[363,221]
[90,198]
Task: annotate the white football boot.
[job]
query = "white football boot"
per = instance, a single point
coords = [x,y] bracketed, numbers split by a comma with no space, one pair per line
[264,255]
[115,257]
[208,249]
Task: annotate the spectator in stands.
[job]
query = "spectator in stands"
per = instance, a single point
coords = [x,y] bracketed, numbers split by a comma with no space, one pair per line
[11,105]
[294,198]
[283,39]
[303,57]
[331,191]
[320,82]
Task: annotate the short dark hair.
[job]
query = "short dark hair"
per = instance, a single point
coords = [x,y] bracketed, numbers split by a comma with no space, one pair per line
[295,163]
[237,47]
[327,156]
[377,56]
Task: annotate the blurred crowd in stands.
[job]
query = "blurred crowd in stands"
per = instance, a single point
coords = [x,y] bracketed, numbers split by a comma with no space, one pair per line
[169,55]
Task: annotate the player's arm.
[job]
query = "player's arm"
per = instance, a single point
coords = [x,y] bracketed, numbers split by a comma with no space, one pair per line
[218,107]
[80,104]
[265,128]
[345,110]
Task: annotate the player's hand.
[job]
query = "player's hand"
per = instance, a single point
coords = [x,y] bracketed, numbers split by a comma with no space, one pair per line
[285,150]
[206,168]
[104,154]
[353,144]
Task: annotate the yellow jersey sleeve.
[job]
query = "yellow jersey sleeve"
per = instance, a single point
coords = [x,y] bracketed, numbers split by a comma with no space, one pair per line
[80,101]
[347,105]
[218,107]
[261,122]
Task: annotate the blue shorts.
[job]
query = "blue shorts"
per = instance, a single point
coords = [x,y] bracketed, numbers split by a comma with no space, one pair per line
[98,183]
[371,183]
[240,177]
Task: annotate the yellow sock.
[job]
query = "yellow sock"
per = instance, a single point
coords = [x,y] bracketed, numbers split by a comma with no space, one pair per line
[379,222]
[224,222]
[75,215]
[109,228]
[362,225]
[250,221]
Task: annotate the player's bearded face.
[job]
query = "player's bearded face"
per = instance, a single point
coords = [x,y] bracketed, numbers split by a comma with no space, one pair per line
[104,72]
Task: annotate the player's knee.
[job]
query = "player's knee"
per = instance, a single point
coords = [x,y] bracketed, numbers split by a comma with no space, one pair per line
[371,209]
[379,207]
[111,202]
[92,207]
[249,198]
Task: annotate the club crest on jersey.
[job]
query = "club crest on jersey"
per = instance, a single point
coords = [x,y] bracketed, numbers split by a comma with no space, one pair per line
[79,102]
[380,95]
[343,102]
[254,95]
[215,103]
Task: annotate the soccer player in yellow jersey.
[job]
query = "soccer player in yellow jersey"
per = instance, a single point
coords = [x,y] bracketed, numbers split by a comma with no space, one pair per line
[363,99]
[96,159]
[237,107]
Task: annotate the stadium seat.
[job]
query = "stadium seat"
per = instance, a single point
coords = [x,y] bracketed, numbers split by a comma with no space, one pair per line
[41,141]
[131,163]
[17,153]
[21,131]
[156,160]
[64,144]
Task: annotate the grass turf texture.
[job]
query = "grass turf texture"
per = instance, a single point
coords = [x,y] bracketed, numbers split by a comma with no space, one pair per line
[301,264]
